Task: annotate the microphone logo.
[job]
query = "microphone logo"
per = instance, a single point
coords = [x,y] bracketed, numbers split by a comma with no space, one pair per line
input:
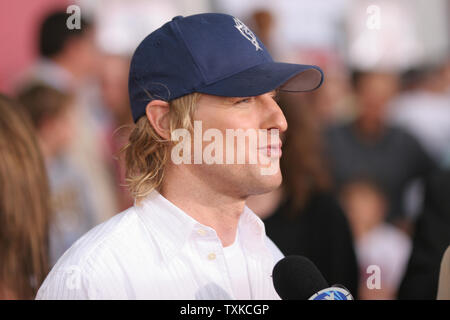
[333,293]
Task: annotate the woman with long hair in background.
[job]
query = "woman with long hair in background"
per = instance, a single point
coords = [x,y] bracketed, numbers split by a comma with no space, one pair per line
[24,206]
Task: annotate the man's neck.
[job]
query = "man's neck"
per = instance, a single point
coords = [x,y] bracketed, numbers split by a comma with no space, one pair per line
[68,66]
[207,206]
[369,129]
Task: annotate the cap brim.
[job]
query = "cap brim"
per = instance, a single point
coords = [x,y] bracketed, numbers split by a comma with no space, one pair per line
[265,78]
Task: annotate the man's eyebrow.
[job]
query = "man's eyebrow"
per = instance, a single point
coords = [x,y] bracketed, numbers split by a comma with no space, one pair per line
[237,98]
[272,93]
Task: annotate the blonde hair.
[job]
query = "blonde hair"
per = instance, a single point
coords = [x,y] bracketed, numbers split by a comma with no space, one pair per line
[147,153]
[24,206]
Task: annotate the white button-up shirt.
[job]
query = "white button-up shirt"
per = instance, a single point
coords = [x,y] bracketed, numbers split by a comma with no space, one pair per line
[157,251]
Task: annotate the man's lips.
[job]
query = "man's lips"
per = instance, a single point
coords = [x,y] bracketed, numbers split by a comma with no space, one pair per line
[273,150]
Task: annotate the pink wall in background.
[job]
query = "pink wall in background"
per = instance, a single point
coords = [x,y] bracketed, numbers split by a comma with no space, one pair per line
[19,25]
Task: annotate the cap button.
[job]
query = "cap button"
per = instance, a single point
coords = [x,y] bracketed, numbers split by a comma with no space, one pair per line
[177,17]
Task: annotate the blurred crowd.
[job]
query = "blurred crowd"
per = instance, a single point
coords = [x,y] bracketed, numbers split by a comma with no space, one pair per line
[366,158]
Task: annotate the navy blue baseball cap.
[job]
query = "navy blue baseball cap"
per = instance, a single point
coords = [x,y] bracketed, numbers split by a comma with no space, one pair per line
[209,53]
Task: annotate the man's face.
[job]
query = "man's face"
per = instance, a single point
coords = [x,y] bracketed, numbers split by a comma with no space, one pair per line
[254,116]
[374,92]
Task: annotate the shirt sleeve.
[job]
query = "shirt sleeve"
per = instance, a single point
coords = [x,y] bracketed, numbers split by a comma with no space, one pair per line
[91,279]
[66,283]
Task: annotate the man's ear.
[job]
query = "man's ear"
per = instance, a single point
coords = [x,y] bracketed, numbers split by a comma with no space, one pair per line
[157,112]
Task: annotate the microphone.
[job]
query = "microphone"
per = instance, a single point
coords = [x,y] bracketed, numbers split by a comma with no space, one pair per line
[297,278]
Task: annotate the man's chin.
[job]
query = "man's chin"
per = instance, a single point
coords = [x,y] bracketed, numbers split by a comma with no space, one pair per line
[267,183]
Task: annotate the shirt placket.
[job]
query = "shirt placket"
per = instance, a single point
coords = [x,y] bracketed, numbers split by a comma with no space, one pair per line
[212,258]
[259,276]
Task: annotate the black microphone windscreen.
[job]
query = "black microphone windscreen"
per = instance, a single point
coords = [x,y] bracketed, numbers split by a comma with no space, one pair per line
[297,278]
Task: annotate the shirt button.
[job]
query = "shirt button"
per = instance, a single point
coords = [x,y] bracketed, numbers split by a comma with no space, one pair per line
[211,256]
[201,232]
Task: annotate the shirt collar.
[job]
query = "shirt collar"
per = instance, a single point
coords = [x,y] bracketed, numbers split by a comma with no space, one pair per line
[173,227]
[252,232]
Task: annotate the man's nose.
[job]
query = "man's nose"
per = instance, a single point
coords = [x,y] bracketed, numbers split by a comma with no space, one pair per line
[273,116]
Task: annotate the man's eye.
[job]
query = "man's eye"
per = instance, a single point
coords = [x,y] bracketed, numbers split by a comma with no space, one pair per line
[244,100]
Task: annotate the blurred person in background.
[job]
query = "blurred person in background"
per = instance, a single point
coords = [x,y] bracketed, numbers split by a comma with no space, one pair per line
[431,239]
[303,217]
[52,114]
[67,57]
[368,147]
[69,62]
[376,242]
[24,206]
[423,109]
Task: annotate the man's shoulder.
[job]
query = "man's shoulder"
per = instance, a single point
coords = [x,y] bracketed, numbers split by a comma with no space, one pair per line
[104,256]
[113,235]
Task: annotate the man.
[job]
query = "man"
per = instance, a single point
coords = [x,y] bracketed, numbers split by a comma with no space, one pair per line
[68,62]
[368,148]
[189,234]
[67,57]
[52,115]
[79,172]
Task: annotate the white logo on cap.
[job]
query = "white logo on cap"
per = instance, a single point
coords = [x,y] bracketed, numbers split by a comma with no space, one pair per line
[247,33]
